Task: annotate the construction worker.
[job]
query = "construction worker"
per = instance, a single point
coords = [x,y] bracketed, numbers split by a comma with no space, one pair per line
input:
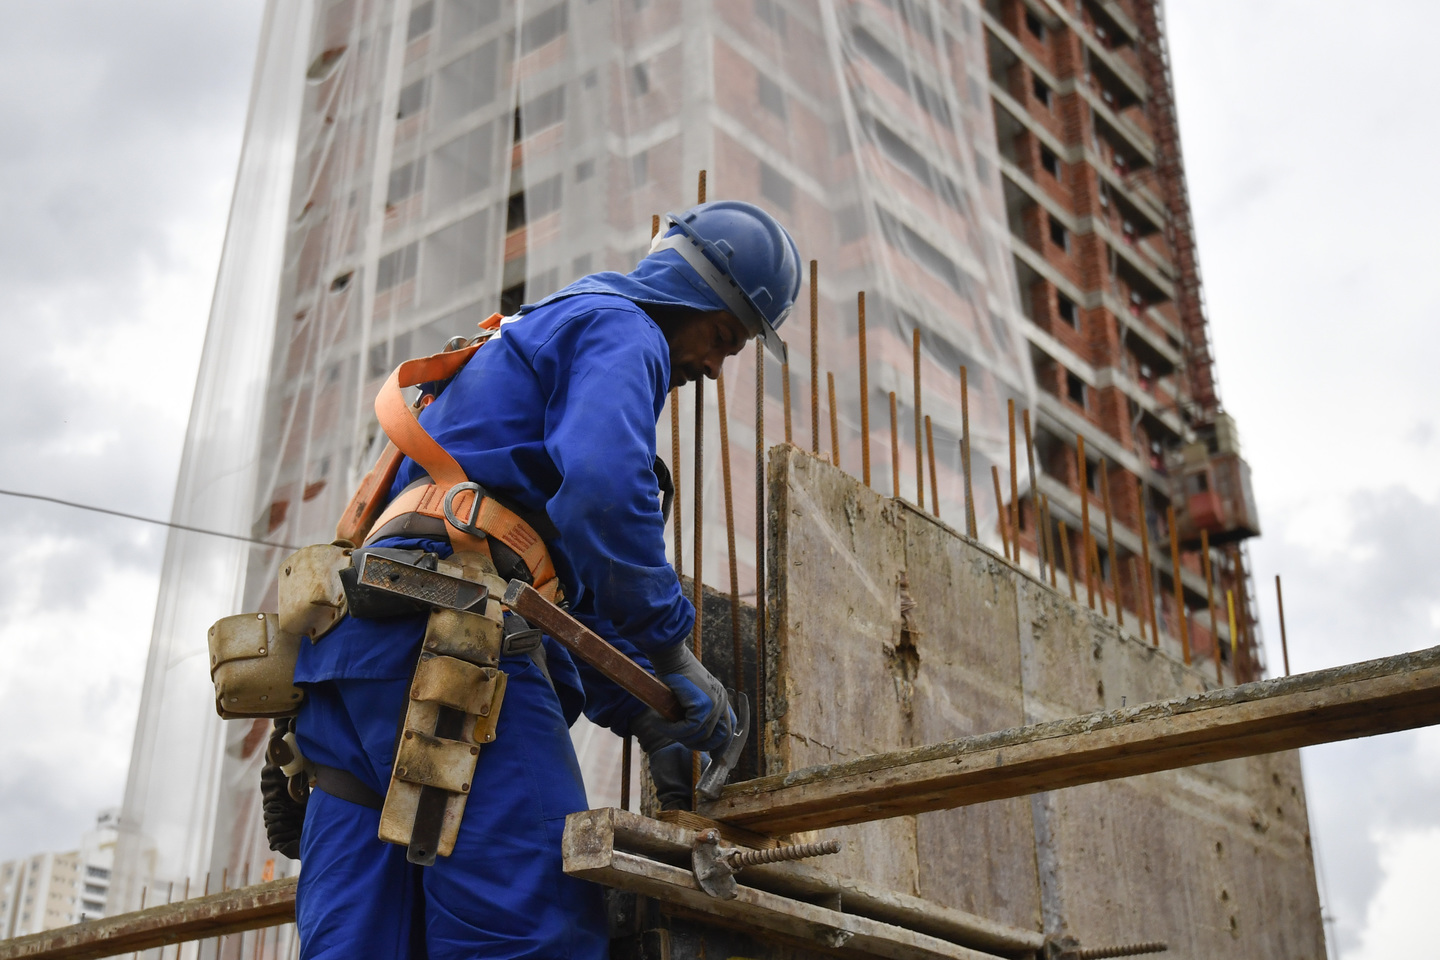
[554,417]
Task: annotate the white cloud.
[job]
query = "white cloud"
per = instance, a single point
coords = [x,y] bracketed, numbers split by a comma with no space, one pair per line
[1398,920]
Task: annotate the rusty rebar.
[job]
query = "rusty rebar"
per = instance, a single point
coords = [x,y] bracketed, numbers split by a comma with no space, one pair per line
[800,851]
[1000,507]
[730,532]
[1110,543]
[1034,492]
[834,421]
[894,448]
[785,389]
[1014,479]
[1065,553]
[971,529]
[676,512]
[1179,584]
[919,425]
[1234,643]
[625,751]
[1084,518]
[1284,642]
[1094,561]
[1210,602]
[1144,523]
[815,357]
[1049,544]
[1126,950]
[930,454]
[700,190]
[1138,586]
[760,538]
[699,583]
[864,395]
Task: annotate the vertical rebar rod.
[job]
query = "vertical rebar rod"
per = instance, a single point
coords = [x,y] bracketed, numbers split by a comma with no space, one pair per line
[1210,602]
[1094,561]
[1084,518]
[930,454]
[625,752]
[699,532]
[894,448]
[919,425]
[1138,585]
[1284,642]
[864,395]
[1000,507]
[725,481]
[971,529]
[1110,543]
[761,539]
[627,746]
[676,512]
[1144,525]
[815,357]
[1049,544]
[785,389]
[834,421]
[1034,492]
[1069,566]
[1179,584]
[1014,479]
[1234,643]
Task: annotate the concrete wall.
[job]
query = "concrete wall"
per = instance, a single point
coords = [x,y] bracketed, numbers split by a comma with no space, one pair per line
[889,629]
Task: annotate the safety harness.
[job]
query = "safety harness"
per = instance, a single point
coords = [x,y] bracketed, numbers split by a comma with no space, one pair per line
[445,504]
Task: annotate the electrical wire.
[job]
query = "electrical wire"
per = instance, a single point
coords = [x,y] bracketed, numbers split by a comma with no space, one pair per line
[133,516]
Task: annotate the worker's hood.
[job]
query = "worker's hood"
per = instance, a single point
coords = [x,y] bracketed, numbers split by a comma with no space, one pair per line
[663,278]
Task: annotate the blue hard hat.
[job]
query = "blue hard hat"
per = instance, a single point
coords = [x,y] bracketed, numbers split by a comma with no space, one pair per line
[745,256]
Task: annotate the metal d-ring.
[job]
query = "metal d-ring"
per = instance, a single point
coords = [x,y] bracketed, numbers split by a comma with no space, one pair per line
[466,525]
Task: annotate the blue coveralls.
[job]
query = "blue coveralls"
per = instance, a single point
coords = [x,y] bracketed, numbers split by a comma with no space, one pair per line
[557,413]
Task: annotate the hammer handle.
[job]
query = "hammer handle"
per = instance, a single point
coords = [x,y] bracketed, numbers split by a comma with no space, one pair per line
[594,650]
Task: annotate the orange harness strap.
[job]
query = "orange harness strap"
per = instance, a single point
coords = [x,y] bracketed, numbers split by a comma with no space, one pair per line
[408,439]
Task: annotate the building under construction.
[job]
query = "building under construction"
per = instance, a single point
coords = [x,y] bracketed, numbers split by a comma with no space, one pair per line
[1000,441]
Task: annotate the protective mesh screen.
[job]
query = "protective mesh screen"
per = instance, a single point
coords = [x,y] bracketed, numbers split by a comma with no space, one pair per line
[445,158]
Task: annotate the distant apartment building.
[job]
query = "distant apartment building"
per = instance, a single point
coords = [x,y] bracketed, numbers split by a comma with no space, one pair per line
[49,890]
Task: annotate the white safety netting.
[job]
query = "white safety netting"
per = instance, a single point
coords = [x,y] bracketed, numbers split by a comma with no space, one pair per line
[411,128]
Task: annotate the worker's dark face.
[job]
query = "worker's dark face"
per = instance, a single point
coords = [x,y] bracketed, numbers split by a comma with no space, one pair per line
[700,342]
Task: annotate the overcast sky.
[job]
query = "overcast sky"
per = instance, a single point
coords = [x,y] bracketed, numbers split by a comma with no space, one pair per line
[1307,140]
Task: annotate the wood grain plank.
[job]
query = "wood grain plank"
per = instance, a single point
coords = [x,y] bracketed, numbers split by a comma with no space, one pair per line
[1357,700]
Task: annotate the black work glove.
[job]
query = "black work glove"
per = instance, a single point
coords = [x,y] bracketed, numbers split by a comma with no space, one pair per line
[671,769]
[282,809]
[708,718]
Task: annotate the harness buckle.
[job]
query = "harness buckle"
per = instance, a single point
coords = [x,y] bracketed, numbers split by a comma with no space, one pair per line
[466,525]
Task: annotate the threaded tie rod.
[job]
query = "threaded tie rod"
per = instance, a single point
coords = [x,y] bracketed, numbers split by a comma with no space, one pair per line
[800,851]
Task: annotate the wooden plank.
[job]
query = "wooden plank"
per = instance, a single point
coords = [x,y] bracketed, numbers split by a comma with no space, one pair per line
[593,835]
[1357,700]
[244,908]
[590,852]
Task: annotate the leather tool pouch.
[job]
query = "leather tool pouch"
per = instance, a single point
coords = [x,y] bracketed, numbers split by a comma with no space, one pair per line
[312,598]
[252,663]
[455,700]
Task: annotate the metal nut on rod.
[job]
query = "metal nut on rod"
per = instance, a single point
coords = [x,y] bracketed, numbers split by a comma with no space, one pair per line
[715,866]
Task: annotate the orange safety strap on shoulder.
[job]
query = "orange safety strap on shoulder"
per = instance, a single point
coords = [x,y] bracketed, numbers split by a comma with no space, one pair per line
[359,517]
[491,322]
[398,420]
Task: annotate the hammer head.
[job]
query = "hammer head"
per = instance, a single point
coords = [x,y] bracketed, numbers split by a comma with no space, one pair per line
[722,761]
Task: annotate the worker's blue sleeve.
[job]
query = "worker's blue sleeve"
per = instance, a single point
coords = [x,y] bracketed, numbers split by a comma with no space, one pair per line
[605,378]
[606,703]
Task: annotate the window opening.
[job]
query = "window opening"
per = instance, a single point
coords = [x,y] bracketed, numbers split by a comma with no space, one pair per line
[1033,24]
[1059,235]
[1050,162]
[412,100]
[422,18]
[1075,389]
[1041,91]
[642,79]
[771,97]
[1068,311]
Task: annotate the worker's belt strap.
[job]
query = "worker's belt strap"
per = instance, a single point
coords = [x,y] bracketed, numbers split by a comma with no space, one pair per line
[420,511]
[471,519]
[346,786]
